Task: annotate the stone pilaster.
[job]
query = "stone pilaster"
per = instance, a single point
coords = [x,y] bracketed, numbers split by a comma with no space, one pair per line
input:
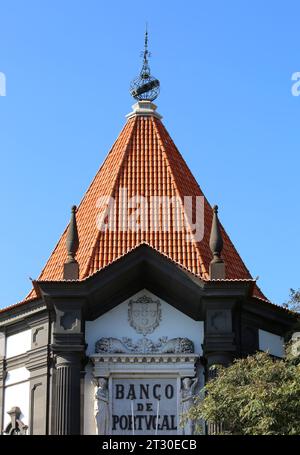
[38,364]
[2,376]
[2,380]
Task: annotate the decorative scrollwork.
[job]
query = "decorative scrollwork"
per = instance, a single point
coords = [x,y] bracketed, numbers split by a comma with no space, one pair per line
[144,345]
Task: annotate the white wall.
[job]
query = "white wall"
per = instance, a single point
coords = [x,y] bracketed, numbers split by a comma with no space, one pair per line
[16,375]
[269,342]
[173,324]
[18,344]
[16,393]
[2,344]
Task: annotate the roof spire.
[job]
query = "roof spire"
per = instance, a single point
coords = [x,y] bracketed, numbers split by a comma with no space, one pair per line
[71,267]
[145,87]
[217,265]
[146,52]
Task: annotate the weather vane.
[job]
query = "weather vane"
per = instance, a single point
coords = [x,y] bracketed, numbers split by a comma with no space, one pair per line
[145,86]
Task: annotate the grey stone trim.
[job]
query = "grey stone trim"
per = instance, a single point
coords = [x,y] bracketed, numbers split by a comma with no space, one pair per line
[37,361]
[39,364]
[17,361]
[33,360]
[13,315]
[38,406]
[270,314]
[28,322]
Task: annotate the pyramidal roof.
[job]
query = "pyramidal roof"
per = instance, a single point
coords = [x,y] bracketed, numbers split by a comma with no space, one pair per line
[145,162]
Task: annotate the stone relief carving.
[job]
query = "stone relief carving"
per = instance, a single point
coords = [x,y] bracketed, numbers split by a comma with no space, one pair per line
[68,321]
[219,320]
[144,314]
[144,345]
[102,407]
[188,386]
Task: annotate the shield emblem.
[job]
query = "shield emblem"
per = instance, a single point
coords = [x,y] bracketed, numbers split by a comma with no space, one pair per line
[144,314]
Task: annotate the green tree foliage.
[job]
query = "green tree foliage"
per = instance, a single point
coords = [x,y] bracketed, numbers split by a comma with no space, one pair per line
[294,302]
[257,395]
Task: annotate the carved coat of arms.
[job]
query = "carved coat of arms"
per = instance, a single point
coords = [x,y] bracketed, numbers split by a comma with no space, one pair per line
[144,314]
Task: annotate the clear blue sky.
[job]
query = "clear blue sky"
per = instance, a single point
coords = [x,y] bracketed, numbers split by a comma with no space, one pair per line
[225,69]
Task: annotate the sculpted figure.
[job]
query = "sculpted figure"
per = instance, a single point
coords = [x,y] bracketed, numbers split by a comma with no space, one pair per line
[102,407]
[187,395]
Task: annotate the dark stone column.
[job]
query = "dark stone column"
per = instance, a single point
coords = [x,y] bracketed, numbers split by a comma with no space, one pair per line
[219,338]
[219,344]
[67,416]
[68,351]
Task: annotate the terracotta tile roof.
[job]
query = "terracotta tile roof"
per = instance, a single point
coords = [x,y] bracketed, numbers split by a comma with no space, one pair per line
[145,160]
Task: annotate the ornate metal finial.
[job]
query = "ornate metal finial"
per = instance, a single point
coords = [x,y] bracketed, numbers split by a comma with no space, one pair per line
[72,241]
[146,52]
[217,266]
[145,86]
[216,241]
